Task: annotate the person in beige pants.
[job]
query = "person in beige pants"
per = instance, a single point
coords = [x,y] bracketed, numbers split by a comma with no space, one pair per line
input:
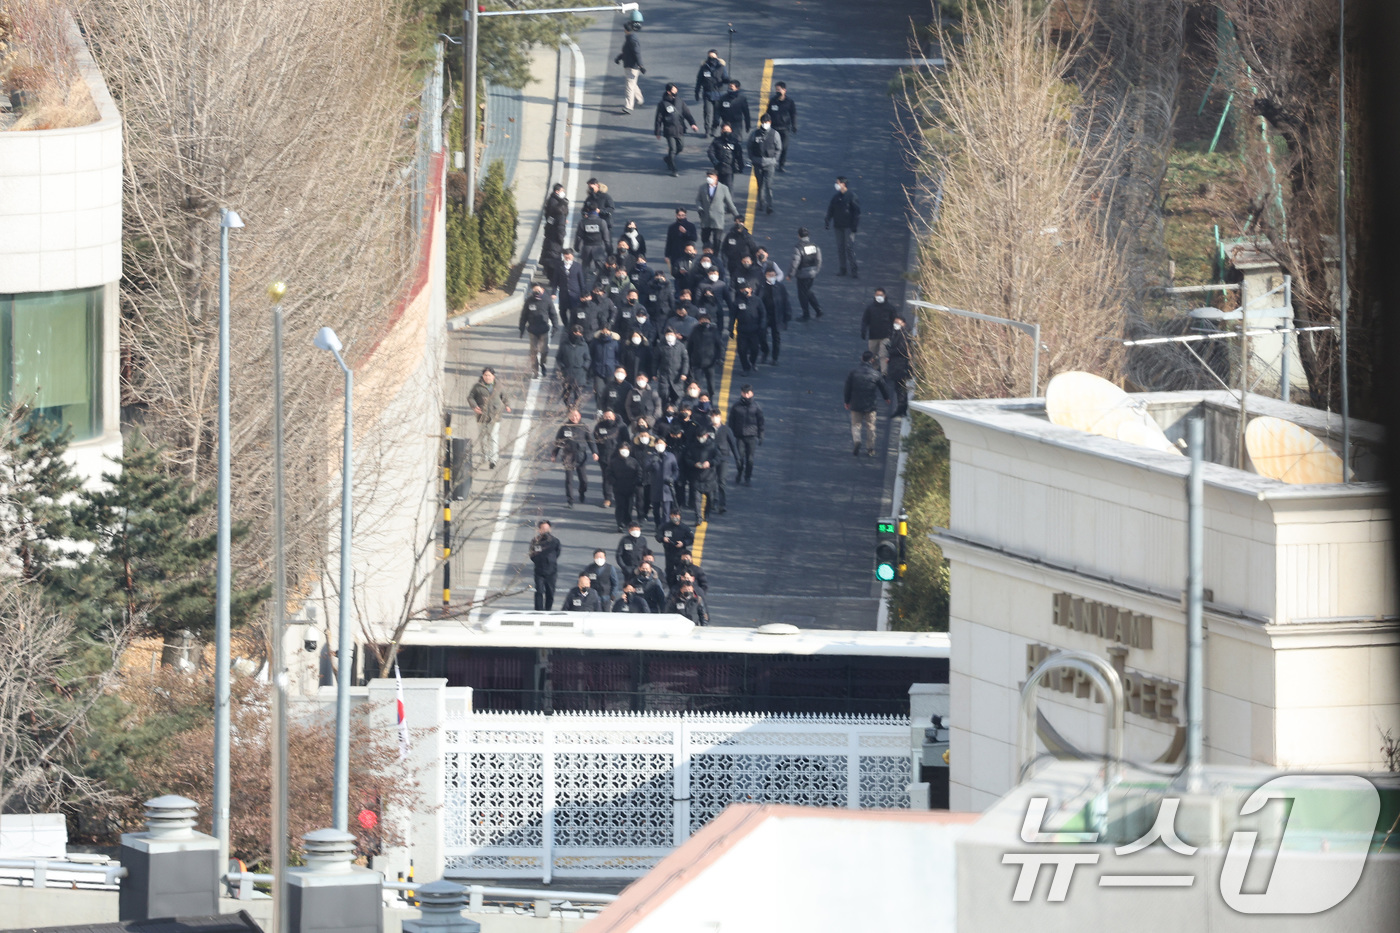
[630,58]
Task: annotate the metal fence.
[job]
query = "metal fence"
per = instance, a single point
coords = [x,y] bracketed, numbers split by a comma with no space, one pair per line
[427,144]
[608,794]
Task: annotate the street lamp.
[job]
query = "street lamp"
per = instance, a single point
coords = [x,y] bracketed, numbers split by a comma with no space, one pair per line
[471,14]
[1032,329]
[280,911]
[228,220]
[327,340]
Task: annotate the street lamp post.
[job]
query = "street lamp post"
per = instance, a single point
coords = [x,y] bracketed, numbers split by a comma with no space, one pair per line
[327,340]
[1032,329]
[470,15]
[280,908]
[228,220]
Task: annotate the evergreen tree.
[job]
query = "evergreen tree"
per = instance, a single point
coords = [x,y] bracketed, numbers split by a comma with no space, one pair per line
[36,484]
[147,573]
[498,219]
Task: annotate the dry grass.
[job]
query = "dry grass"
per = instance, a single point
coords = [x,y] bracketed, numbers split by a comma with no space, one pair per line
[39,60]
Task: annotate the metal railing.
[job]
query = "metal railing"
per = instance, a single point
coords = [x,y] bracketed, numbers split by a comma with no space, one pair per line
[42,866]
[476,893]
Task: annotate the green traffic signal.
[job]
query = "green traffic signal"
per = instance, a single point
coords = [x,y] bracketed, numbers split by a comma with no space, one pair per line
[884,572]
[886,560]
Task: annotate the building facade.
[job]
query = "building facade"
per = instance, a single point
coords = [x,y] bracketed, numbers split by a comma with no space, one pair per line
[60,265]
[1063,540]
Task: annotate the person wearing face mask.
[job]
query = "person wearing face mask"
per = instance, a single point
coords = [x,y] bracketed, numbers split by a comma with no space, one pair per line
[645,455]
[744,273]
[488,400]
[537,317]
[863,384]
[603,353]
[734,108]
[749,324]
[635,357]
[901,360]
[598,199]
[646,326]
[784,114]
[728,446]
[806,263]
[572,362]
[747,422]
[672,118]
[698,578]
[765,148]
[688,603]
[642,274]
[630,549]
[726,154]
[606,438]
[623,258]
[702,457]
[544,554]
[624,474]
[574,445]
[648,585]
[583,598]
[710,81]
[766,265]
[642,401]
[665,472]
[634,239]
[630,601]
[844,213]
[714,295]
[614,393]
[683,269]
[706,352]
[568,280]
[778,312]
[737,243]
[602,577]
[876,326]
[715,202]
[625,317]
[660,301]
[680,235]
[672,365]
[675,537]
[682,323]
[556,215]
[591,241]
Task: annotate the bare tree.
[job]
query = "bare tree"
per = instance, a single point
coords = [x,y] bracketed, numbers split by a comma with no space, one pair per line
[1007,154]
[49,683]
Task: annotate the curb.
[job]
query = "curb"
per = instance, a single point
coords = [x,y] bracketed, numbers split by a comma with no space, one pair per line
[558,135]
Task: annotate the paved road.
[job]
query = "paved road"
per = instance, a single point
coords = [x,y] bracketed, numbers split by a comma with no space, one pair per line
[797,545]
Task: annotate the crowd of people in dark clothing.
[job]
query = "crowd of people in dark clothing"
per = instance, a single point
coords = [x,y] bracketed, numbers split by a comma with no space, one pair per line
[644,334]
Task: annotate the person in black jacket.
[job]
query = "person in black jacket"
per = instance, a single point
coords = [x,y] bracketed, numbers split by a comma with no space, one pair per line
[710,81]
[643,401]
[706,352]
[676,537]
[679,235]
[876,326]
[630,58]
[648,584]
[544,554]
[665,473]
[728,446]
[750,319]
[784,114]
[727,155]
[672,366]
[568,280]
[844,212]
[556,214]
[862,385]
[733,108]
[624,474]
[900,363]
[778,310]
[537,316]
[672,117]
[765,148]
[574,445]
[688,603]
[599,200]
[630,601]
[583,598]
[602,577]
[698,578]
[636,359]
[703,458]
[572,362]
[746,421]
[736,243]
[591,241]
[630,550]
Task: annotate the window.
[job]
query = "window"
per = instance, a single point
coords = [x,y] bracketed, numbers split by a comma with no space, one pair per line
[51,357]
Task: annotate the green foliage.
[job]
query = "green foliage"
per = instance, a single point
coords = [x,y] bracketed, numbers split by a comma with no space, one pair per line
[146,573]
[463,259]
[919,602]
[497,217]
[35,484]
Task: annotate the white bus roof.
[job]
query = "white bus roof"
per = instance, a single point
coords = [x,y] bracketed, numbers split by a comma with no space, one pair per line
[607,631]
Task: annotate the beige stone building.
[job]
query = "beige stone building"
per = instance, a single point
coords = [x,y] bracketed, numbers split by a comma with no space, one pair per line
[1065,540]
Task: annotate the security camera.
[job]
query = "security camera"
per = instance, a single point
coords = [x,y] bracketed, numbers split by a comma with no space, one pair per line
[311,642]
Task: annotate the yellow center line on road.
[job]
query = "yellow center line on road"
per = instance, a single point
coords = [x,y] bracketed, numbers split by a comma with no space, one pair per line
[726,380]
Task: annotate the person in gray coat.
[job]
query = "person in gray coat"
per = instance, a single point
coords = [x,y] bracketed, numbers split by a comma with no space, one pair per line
[714,202]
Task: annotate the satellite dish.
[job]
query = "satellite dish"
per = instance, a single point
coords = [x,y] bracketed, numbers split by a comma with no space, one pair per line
[1283,451]
[1094,405]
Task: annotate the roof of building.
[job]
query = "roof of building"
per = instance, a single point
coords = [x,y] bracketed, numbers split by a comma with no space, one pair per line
[240,922]
[722,837]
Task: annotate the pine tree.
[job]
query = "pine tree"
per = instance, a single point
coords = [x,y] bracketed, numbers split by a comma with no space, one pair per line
[498,218]
[36,485]
[147,573]
[463,259]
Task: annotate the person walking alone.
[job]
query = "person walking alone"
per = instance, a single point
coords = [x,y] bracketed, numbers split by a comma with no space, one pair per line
[710,82]
[876,326]
[714,202]
[784,114]
[544,554]
[765,147]
[574,444]
[537,317]
[672,118]
[630,58]
[806,263]
[901,364]
[746,421]
[488,400]
[844,213]
[862,385]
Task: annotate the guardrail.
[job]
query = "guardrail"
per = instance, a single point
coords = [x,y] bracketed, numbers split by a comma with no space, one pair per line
[476,893]
[42,866]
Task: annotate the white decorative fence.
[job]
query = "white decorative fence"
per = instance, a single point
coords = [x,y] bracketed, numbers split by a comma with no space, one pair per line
[609,794]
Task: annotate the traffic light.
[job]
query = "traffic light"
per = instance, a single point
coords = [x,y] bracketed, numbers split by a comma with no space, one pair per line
[903,542]
[886,550]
